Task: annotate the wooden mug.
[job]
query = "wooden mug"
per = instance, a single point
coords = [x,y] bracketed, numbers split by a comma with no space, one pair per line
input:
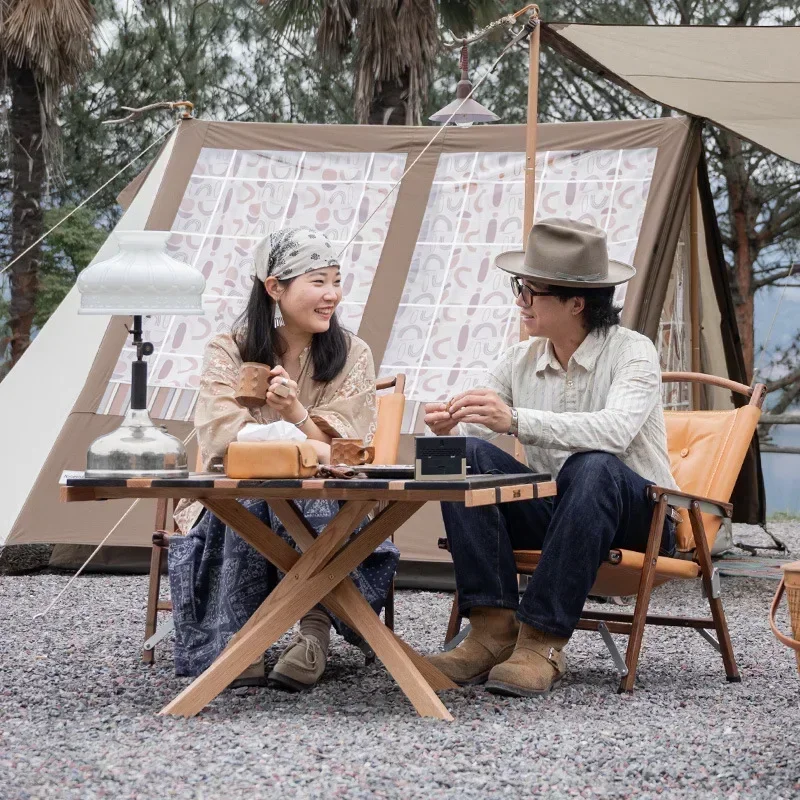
[351,452]
[254,379]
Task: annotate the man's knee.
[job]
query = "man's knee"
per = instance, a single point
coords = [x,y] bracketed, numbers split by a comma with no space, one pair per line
[481,455]
[588,468]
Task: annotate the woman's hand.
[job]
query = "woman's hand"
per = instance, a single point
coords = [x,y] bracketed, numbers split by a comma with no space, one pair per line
[282,395]
[323,451]
[438,418]
[482,407]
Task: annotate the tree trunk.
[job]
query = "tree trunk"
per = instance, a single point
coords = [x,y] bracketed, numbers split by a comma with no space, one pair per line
[389,104]
[744,301]
[743,211]
[27,219]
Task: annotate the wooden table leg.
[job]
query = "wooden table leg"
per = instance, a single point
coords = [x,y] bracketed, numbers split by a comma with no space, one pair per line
[271,546]
[303,534]
[301,595]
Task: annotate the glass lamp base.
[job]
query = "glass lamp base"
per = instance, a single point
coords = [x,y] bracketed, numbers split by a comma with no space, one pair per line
[137,449]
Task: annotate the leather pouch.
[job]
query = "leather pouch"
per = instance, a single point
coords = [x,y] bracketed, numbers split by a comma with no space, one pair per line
[270,460]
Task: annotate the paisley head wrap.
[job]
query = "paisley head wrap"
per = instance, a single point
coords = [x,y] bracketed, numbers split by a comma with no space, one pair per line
[290,252]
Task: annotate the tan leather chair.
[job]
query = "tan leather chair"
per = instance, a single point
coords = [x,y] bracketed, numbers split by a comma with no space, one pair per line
[386,442]
[706,450]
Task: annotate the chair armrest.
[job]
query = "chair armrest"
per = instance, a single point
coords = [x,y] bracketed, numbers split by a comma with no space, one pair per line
[685,500]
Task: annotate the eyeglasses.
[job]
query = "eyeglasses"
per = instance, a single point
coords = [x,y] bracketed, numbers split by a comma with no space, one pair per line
[520,288]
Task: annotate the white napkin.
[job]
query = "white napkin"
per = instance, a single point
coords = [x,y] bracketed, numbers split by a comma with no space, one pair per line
[279,431]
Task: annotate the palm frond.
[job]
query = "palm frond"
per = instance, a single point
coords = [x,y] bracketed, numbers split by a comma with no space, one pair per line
[335,31]
[294,17]
[51,37]
[397,43]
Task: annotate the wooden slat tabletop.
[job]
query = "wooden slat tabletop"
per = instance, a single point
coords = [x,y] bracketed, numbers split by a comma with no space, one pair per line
[473,490]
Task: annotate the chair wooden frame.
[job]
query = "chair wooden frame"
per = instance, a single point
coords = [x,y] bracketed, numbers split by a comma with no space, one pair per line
[634,624]
[164,527]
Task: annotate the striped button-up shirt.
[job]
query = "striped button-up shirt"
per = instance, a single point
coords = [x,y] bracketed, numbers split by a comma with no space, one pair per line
[608,398]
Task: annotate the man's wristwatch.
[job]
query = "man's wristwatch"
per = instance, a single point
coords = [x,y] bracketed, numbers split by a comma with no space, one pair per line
[513,428]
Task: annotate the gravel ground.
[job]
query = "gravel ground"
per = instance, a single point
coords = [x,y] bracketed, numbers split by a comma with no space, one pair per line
[78,713]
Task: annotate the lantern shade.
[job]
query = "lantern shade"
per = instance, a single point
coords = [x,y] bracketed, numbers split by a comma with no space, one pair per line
[141,279]
[471,111]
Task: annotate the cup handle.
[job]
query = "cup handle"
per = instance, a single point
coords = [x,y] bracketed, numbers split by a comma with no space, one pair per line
[366,455]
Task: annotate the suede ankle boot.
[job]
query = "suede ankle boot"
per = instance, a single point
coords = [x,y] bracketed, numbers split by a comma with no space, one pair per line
[535,667]
[490,641]
[302,663]
[252,676]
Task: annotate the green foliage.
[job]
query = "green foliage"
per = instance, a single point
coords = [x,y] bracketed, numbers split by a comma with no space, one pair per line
[67,250]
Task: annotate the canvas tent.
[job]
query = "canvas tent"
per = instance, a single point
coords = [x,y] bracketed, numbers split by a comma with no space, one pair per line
[419,285]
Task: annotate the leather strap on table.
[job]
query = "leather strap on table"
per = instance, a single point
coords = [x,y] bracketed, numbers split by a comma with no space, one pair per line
[339,472]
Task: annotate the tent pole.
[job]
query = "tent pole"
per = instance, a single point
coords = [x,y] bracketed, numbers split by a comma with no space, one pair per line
[530,135]
[530,140]
[530,164]
[694,290]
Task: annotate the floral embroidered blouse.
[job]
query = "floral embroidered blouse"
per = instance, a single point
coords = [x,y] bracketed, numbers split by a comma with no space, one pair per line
[343,408]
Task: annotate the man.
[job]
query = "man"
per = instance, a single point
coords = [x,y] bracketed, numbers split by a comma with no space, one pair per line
[583,395]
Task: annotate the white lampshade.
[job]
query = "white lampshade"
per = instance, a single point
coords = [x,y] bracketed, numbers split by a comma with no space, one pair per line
[141,279]
[471,111]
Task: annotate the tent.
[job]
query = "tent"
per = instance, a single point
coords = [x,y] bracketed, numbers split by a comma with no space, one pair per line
[419,285]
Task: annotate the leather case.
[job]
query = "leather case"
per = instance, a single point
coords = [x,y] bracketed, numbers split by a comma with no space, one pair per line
[270,460]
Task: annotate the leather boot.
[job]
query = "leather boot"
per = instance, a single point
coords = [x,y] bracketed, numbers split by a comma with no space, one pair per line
[251,676]
[302,663]
[535,667]
[493,632]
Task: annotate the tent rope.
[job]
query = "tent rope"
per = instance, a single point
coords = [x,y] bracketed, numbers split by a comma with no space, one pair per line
[526,31]
[84,202]
[43,614]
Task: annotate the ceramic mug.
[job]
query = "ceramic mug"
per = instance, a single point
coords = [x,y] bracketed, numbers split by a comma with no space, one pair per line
[251,390]
[351,452]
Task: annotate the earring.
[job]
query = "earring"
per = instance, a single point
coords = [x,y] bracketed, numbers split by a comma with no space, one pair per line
[277,320]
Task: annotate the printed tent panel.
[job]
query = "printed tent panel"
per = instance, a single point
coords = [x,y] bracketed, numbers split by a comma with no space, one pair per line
[419,285]
[457,315]
[232,200]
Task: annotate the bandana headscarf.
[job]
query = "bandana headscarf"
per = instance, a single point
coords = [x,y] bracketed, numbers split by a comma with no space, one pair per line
[290,252]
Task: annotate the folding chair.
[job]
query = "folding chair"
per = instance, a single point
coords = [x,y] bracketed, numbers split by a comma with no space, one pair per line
[706,450]
[386,442]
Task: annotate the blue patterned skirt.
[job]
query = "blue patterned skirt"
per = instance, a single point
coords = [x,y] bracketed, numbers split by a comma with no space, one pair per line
[217,581]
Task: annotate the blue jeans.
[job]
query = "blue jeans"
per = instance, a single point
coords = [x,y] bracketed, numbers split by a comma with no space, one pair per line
[601,504]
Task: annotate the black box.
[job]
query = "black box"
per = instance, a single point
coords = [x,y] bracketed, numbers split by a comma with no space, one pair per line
[440,458]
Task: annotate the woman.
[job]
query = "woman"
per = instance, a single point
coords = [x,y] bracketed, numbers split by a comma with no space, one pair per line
[217,580]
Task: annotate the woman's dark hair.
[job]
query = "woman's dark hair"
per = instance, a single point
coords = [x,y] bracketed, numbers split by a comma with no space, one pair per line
[257,338]
[599,313]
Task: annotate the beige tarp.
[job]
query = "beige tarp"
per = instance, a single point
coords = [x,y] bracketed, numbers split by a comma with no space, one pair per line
[745,79]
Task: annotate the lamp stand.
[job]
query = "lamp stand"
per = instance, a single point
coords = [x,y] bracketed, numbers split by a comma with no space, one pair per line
[137,449]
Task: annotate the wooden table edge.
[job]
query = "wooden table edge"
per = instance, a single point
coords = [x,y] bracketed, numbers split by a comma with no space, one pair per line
[470,497]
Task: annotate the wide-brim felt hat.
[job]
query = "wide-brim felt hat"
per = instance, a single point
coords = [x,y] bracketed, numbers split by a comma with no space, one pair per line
[565,252]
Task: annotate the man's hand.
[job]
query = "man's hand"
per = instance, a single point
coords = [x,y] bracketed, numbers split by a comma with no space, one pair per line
[482,407]
[438,419]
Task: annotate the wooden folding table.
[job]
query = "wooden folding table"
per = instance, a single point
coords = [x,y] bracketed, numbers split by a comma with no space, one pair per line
[321,573]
